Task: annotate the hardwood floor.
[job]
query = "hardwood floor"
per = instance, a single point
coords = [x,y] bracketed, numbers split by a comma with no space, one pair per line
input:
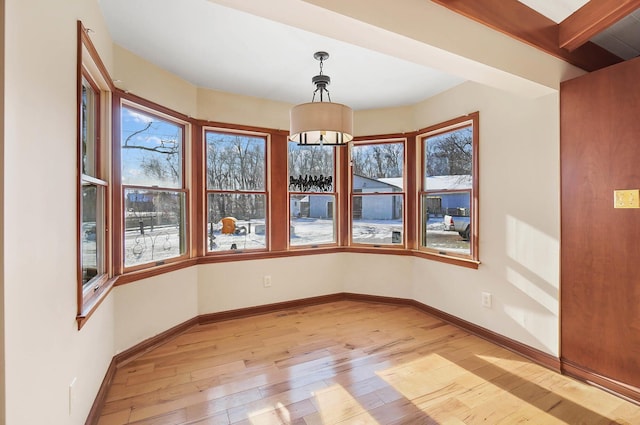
[347,362]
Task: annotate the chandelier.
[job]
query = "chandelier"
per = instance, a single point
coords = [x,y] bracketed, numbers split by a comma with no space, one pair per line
[321,123]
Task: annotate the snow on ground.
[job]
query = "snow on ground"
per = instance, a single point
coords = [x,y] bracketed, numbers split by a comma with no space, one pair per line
[164,242]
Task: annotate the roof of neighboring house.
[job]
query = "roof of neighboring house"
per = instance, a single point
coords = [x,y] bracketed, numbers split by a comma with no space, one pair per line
[449,182]
[373,184]
[436,182]
[393,181]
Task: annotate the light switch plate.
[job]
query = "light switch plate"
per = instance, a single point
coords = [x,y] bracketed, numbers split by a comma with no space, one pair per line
[626,198]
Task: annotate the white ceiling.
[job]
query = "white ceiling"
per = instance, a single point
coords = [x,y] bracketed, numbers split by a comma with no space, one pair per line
[225,49]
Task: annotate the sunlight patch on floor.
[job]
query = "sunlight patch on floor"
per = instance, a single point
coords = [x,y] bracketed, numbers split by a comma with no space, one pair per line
[446,391]
[276,415]
[334,405]
[422,376]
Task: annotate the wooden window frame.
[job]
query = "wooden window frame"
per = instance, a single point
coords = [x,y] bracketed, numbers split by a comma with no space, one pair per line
[406,236]
[122,101]
[337,216]
[91,69]
[266,192]
[470,120]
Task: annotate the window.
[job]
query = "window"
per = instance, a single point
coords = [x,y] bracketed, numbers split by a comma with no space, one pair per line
[377,193]
[93,192]
[449,188]
[94,97]
[153,187]
[236,191]
[312,195]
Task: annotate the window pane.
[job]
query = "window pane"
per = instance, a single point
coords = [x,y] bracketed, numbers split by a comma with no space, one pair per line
[236,221]
[377,168]
[377,219]
[379,161]
[235,162]
[311,219]
[151,150]
[449,160]
[154,226]
[89,128]
[310,168]
[446,222]
[91,232]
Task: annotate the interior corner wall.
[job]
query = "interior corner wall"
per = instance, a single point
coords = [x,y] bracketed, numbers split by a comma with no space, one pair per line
[519,218]
[44,351]
[375,274]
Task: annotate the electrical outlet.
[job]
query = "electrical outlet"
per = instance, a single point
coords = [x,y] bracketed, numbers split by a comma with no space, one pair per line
[266,281]
[486,300]
[72,394]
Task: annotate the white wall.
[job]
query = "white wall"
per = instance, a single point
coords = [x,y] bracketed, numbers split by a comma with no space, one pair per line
[44,351]
[235,109]
[383,275]
[140,77]
[150,306]
[519,218]
[239,284]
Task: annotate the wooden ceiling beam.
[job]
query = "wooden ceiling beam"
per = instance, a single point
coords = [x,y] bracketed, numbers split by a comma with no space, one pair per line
[528,26]
[591,19]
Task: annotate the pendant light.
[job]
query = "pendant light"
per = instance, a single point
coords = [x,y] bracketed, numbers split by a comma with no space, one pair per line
[321,123]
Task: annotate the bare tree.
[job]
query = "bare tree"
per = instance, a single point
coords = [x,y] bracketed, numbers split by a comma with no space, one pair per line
[162,162]
[235,163]
[310,160]
[378,160]
[151,156]
[450,153]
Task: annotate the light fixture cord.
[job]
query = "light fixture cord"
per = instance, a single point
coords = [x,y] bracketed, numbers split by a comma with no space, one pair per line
[321,87]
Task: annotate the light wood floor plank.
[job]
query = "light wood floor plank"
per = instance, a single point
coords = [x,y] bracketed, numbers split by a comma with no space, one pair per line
[346,362]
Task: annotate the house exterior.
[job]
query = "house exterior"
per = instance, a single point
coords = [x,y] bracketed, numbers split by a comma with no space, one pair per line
[377,207]
[366,208]
[450,196]
[296,205]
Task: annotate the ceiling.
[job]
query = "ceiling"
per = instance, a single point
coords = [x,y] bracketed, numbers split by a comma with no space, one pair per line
[222,48]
